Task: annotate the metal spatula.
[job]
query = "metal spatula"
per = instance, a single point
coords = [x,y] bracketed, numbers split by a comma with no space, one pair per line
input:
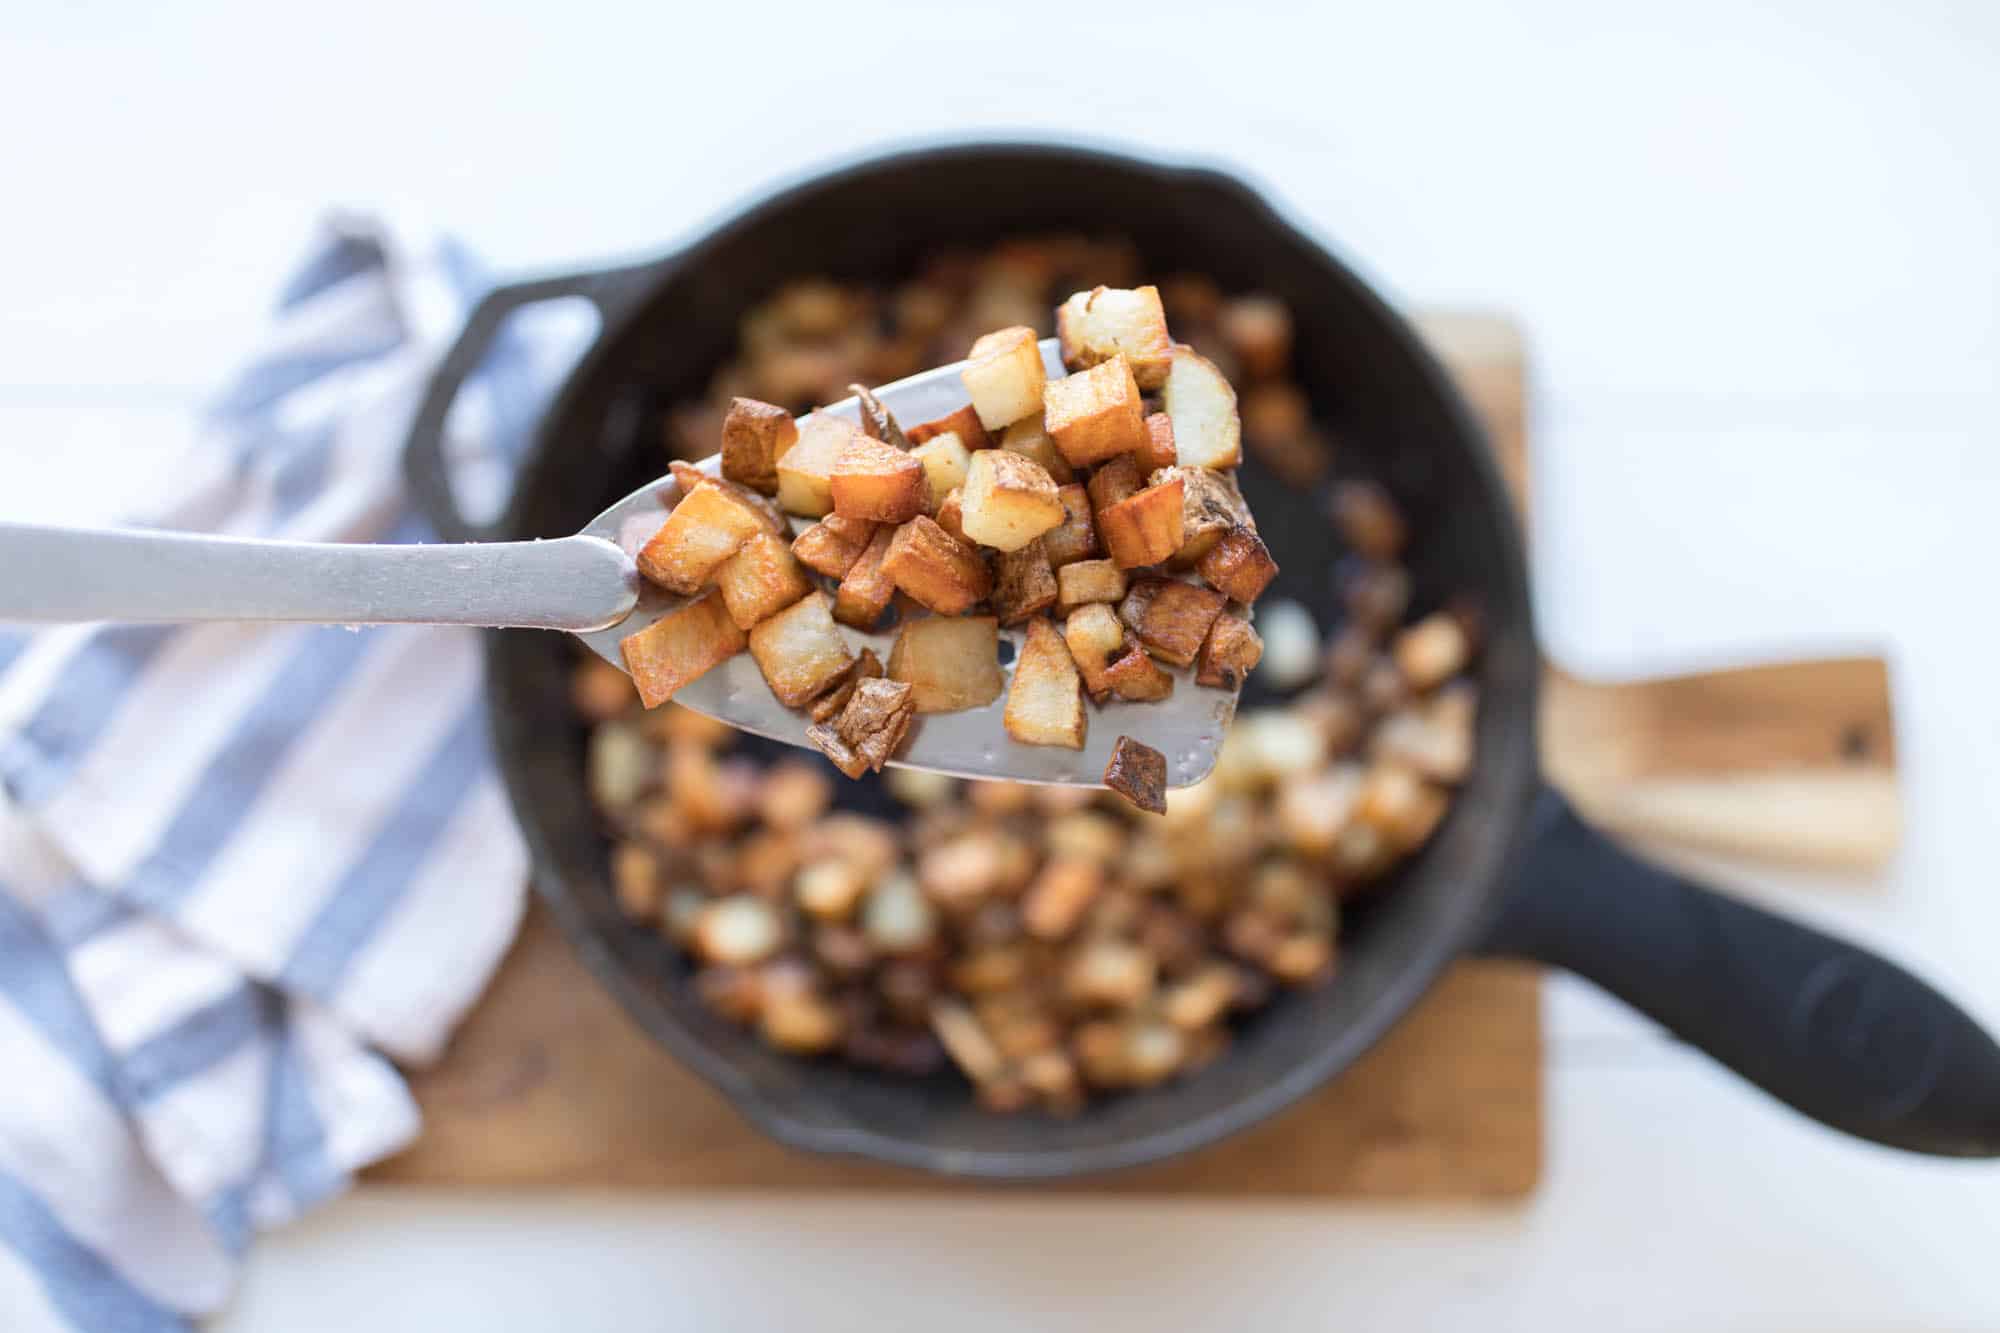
[585,584]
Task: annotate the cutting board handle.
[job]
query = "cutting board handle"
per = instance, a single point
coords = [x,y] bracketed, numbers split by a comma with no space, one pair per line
[1848,1038]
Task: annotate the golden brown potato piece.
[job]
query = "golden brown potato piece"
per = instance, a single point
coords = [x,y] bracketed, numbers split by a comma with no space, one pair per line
[832,545]
[951,513]
[1258,329]
[1145,527]
[1095,414]
[1045,702]
[679,647]
[1139,774]
[1023,585]
[1211,507]
[1056,901]
[805,473]
[1096,325]
[941,572]
[1158,450]
[1095,640]
[963,423]
[828,705]
[687,476]
[945,460]
[869,730]
[1229,653]
[761,579]
[1240,566]
[1203,407]
[1136,676]
[949,662]
[1004,375]
[1086,581]
[1116,480]
[1432,651]
[878,482]
[1030,439]
[1400,806]
[1075,538]
[1170,617]
[800,650]
[704,530]
[826,739]
[1369,519]
[1008,501]
[754,437]
[864,594]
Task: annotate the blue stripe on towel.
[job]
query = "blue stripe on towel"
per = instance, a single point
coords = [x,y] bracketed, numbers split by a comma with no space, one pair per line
[36,981]
[199,1042]
[87,1290]
[294,1137]
[40,757]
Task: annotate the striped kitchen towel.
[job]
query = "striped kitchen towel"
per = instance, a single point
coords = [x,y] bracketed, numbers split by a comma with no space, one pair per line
[240,865]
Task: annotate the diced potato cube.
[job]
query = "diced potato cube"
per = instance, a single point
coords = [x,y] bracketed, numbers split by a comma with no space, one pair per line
[1008,501]
[1228,655]
[1368,518]
[754,437]
[951,513]
[1401,806]
[1095,640]
[1314,808]
[1030,439]
[1088,581]
[1116,480]
[1170,617]
[1258,329]
[1240,566]
[1158,450]
[704,530]
[966,1042]
[687,477]
[1139,774]
[963,423]
[1212,506]
[1145,527]
[1004,375]
[1055,902]
[760,580]
[941,572]
[867,667]
[805,473]
[1432,651]
[1435,738]
[1203,407]
[832,545]
[876,719]
[679,647]
[1024,585]
[738,930]
[1096,414]
[800,650]
[949,662]
[1137,677]
[864,594]
[878,482]
[1096,325]
[1045,702]
[945,461]
[1075,538]
[825,738]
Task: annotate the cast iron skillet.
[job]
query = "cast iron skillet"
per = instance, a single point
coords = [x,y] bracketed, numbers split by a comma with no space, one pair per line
[1841,1035]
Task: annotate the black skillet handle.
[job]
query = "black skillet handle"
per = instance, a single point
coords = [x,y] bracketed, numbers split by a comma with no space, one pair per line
[1846,1037]
[612,290]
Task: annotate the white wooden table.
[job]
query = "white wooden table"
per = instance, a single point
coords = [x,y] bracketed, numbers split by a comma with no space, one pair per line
[1755,249]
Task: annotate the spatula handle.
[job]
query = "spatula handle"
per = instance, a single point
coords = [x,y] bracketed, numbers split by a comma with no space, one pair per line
[123,574]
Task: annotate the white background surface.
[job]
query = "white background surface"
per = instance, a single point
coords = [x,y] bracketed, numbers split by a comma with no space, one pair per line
[1754,247]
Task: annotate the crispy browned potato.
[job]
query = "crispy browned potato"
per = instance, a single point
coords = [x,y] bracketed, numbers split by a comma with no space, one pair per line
[1432,651]
[949,662]
[704,530]
[828,705]
[1139,774]
[1024,585]
[878,482]
[1136,676]
[1369,520]
[1088,581]
[951,513]
[877,421]
[1004,375]
[1211,507]
[1075,538]
[754,437]
[1095,414]
[761,579]
[1096,325]
[946,461]
[938,570]
[1240,566]
[1045,702]
[1170,617]
[1203,407]
[1401,806]
[1158,450]
[1095,640]
[1056,901]
[864,594]
[1258,329]
[832,545]
[686,476]
[1008,501]
[1145,527]
[826,739]
[1116,480]
[805,473]
[1029,437]
[800,650]
[869,730]
[679,647]
[963,423]
[1229,653]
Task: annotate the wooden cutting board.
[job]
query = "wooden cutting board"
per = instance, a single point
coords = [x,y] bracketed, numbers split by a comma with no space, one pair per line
[548,1083]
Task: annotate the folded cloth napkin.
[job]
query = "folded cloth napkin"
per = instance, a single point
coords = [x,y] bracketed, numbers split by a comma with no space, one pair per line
[241,864]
